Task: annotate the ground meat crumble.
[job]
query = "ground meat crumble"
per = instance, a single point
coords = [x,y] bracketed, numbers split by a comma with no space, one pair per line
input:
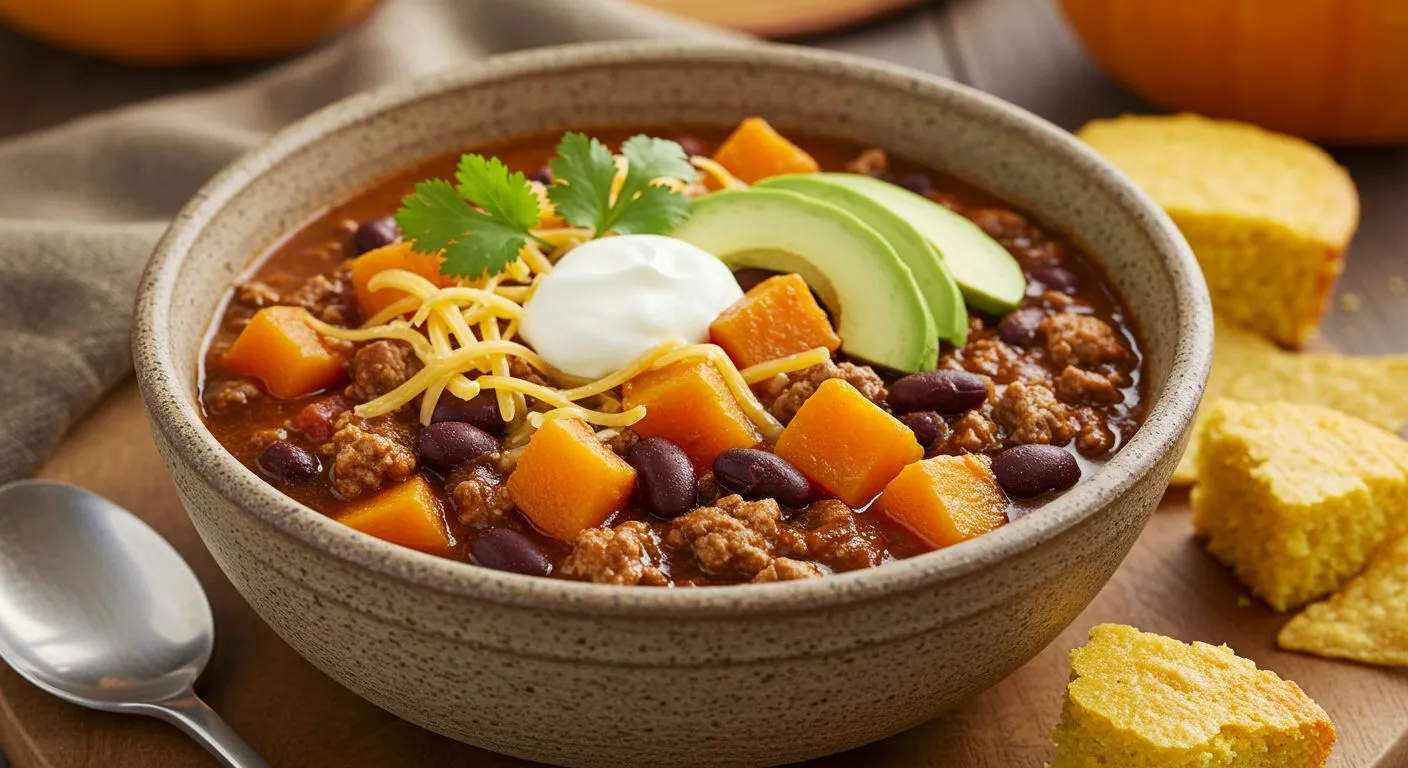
[369,453]
[784,395]
[787,569]
[834,539]
[1031,414]
[480,495]
[734,537]
[381,366]
[628,554]
[233,393]
[1081,340]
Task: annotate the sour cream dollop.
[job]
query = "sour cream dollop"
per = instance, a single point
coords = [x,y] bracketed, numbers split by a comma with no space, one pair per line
[609,301]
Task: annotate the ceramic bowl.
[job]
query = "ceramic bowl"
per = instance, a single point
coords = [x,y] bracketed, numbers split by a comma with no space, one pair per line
[584,674]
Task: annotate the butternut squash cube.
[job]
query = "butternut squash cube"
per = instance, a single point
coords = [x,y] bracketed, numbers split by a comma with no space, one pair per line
[409,514]
[689,403]
[846,444]
[946,499]
[279,348]
[397,255]
[779,317]
[755,151]
[567,480]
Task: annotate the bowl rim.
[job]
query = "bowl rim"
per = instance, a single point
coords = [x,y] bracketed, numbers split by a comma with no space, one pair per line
[173,410]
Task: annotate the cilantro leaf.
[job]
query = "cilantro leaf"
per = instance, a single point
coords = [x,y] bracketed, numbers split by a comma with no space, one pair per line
[588,169]
[657,209]
[473,243]
[503,195]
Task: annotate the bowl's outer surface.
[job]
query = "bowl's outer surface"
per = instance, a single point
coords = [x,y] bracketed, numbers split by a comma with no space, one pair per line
[588,675]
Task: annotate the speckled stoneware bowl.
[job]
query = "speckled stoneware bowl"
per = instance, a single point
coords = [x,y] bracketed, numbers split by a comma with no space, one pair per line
[582,674]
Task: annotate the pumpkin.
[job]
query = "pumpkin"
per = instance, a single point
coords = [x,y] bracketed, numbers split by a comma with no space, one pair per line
[1330,70]
[175,32]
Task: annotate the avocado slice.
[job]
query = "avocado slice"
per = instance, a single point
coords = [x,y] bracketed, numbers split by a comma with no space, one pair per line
[990,278]
[880,313]
[941,293]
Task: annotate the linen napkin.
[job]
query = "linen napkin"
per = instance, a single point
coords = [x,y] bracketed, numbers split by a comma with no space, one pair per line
[82,204]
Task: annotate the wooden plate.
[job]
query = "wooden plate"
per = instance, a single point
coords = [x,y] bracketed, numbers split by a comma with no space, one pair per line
[781,18]
[299,718]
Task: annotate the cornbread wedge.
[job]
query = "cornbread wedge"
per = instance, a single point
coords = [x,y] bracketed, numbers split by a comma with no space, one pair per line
[1140,700]
[1246,366]
[1297,497]
[1366,621]
[1269,216]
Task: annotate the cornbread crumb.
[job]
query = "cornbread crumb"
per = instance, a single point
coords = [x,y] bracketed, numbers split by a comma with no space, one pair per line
[1366,621]
[1296,497]
[1140,700]
[1350,302]
[1269,216]
[1247,367]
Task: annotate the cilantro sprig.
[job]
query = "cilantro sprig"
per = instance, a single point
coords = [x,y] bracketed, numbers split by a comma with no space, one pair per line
[480,224]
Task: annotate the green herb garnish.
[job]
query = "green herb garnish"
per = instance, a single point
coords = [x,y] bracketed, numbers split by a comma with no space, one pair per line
[481,224]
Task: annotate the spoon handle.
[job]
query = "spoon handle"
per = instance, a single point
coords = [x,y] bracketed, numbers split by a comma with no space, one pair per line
[201,723]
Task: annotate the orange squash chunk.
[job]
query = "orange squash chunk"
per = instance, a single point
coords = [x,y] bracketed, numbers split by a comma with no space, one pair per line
[846,444]
[279,348]
[690,404]
[567,480]
[946,499]
[779,317]
[397,255]
[409,514]
[755,151]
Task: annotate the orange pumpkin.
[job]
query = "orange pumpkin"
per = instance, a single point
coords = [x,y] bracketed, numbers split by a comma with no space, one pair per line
[175,32]
[1331,70]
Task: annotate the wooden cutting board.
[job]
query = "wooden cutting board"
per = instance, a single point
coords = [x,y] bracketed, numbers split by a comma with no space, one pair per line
[781,18]
[298,718]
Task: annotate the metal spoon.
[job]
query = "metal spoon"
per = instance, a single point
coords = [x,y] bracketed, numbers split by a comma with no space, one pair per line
[97,609]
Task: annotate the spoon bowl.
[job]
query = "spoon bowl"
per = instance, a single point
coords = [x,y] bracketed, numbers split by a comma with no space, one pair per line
[98,609]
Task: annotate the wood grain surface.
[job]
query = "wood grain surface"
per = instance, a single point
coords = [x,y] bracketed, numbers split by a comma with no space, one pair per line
[1016,49]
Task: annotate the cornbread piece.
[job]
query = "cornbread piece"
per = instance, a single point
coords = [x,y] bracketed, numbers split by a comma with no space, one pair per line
[1365,621]
[1297,497]
[1245,366]
[1140,700]
[1269,216]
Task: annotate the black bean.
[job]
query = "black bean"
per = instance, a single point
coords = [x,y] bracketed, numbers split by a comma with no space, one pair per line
[755,474]
[1027,471]
[542,174]
[505,549]
[284,462]
[374,233]
[926,426]
[747,278]
[449,444]
[1056,278]
[947,392]
[666,477]
[918,183]
[482,412]
[1019,328]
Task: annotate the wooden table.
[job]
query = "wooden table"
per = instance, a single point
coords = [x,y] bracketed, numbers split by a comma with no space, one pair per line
[1016,49]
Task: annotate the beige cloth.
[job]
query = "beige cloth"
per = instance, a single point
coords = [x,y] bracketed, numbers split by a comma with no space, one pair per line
[83,203]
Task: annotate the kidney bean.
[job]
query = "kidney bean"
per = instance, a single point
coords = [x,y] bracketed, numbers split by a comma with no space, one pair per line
[665,477]
[1056,278]
[284,462]
[947,392]
[755,474]
[927,426]
[1019,328]
[1027,471]
[747,278]
[918,183]
[505,549]
[449,444]
[374,233]
[482,412]
[542,174]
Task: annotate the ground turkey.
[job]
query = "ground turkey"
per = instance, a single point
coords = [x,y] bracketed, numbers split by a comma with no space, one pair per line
[787,569]
[994,359]
[330,299]
[369,453]
[1031,414]
[231,394]
[381,366]
[480,495]
[628,554]
[784,395]
[734,537]
[1075,385]
[1095,437]
[973,432]
[1082,341]
[834,539]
